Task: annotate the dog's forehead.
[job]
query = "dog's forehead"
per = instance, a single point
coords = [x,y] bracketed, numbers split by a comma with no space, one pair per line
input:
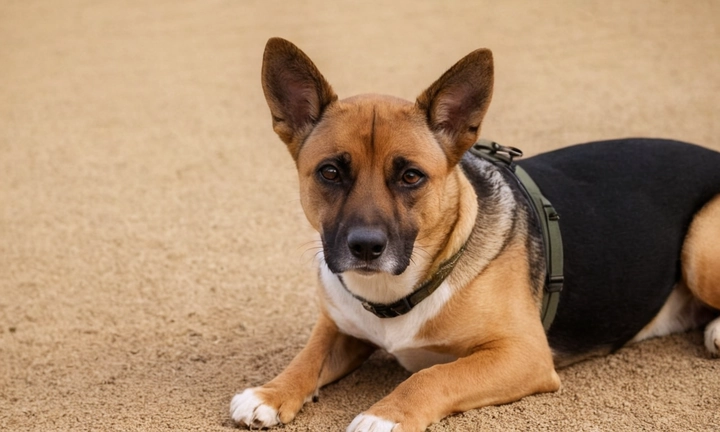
[372,126]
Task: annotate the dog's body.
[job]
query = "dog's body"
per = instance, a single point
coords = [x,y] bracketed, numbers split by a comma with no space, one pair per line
[395,197]
[625,209]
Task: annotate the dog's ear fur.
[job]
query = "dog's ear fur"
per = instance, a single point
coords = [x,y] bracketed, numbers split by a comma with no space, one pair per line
[295,91]
[456,103]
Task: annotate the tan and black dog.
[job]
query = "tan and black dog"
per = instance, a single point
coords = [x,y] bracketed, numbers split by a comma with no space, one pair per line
[401,205]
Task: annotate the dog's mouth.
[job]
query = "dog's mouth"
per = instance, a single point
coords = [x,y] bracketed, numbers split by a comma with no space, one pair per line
[344,264]
[366,270]
[362,268]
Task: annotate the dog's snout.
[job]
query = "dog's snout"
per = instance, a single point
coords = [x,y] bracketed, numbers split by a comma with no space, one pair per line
[367,243]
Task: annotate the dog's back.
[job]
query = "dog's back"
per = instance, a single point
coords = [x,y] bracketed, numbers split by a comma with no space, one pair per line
[625,207]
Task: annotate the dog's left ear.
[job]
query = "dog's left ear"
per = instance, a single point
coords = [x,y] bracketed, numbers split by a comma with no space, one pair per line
[457,102]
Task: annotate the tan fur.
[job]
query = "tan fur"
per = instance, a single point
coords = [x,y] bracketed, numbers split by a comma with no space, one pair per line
[465,210]
[512,311]
[433,393]
[701,254]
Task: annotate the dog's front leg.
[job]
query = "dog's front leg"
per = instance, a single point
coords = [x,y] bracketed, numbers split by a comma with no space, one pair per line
[490,376]
[328,356]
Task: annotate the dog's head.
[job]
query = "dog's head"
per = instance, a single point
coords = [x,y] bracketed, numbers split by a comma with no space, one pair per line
[378,176]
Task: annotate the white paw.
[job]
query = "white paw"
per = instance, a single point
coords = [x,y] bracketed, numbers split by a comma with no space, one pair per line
[248,410]
[712,337]
[370,423]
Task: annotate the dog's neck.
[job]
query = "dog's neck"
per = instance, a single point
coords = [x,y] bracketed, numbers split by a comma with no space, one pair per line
[428,255]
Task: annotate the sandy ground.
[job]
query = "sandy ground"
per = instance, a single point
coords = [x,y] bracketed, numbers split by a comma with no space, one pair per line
[154,259]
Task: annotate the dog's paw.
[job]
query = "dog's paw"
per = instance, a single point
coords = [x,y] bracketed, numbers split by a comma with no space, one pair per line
[370,423]
[712,337]
[246,409]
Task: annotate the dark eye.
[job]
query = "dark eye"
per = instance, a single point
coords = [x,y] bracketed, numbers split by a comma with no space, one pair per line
[330,173]
[412,177]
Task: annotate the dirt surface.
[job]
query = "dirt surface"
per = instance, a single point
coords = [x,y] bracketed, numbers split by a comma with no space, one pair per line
[154,259]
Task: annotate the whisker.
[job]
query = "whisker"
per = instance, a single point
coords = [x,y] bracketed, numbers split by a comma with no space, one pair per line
[309,242]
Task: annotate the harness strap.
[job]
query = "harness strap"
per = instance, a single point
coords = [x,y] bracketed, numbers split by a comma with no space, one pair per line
[545,214]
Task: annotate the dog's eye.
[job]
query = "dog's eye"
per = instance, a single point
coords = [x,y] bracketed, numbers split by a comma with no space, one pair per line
[412,177]
[330,173]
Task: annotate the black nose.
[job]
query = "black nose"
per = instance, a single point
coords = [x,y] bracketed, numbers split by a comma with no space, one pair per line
[367,243]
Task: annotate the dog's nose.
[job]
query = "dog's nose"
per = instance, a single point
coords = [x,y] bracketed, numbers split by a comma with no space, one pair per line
[367,243]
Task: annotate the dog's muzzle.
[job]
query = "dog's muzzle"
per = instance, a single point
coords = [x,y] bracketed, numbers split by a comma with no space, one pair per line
[367,249]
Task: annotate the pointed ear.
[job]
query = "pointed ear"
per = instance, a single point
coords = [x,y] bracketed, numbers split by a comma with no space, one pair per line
[457,102]
[295,91]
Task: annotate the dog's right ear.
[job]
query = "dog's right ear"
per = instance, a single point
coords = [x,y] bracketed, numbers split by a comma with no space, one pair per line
[295,91]
[456,103]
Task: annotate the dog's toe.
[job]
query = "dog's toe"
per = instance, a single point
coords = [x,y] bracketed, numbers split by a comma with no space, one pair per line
[246,409]
[712,337]
[370,423]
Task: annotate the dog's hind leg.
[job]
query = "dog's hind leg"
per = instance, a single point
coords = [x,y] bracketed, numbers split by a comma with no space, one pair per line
[701,265]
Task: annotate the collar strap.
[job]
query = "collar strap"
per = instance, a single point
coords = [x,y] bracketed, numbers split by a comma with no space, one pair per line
[545,214]
[406,304]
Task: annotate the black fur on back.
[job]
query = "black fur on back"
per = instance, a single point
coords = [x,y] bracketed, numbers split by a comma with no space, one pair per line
[625,207]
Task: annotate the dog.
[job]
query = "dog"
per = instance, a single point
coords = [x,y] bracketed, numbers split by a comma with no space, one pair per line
[438,255]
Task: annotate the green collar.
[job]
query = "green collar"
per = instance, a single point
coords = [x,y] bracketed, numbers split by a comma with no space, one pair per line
[545,214]
[407,303]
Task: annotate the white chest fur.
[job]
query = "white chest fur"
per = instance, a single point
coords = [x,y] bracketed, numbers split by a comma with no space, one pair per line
[399,335]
